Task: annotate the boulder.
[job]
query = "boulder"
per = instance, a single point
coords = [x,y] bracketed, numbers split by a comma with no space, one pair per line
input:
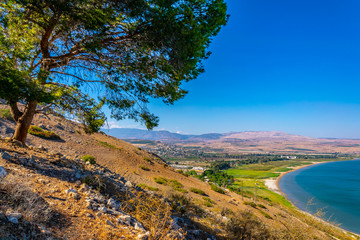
[98,198]
[70,190]
[113,204]
[124,219]
[78,175]
[42,148]
[3,172]
[129,184]
[102,209]
[13,220]
[138,226]
[143,236]
[5,156]
[75,195]
[108,222]
[13,217]
[13,214]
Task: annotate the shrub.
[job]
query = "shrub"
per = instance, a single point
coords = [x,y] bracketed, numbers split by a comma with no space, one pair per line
[181,190]
[180,198]
[153,213]
[245,225]
[180,202]
[94,181]
[147,159]
[266,198]
[225,211]
[207,199]
[197,191]
[265,214]
[107,144]
[177,186]
[144,186]
[207,204]
[38,131]
[161,180]
[217,189]
[144,168]
[17,195]
[186,174]
[252,204]
[89,158]
[262,206]
[5,113]
[104,185]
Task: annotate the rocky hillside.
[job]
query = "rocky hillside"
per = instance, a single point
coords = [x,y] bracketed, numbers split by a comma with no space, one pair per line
[98,187]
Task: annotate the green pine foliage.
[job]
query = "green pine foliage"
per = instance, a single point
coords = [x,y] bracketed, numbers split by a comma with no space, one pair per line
[56,53]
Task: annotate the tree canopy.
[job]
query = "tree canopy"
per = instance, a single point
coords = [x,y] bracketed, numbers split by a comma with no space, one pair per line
[55,52]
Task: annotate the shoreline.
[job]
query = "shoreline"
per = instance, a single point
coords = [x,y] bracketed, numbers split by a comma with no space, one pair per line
[292,170]
[276,188]
[273,184]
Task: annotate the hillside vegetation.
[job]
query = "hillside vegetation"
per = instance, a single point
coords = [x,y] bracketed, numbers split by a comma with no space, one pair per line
[83,186]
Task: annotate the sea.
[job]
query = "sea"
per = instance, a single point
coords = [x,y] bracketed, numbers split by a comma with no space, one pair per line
[332,189]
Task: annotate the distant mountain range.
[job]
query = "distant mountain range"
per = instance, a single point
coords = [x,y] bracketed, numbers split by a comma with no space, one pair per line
[166,136]
[247,141]
[133,133]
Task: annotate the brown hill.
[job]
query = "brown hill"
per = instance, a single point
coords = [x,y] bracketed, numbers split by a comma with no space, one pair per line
[52,169]
[248,141]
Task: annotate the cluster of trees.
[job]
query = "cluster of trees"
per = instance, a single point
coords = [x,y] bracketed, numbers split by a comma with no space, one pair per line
[54,53]
[216,176]
[222,165]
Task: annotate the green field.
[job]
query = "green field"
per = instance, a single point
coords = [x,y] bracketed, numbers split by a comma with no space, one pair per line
[242,173]
[262,192]
[251,174]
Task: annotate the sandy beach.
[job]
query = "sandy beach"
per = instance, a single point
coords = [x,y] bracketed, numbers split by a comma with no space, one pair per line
[273,183]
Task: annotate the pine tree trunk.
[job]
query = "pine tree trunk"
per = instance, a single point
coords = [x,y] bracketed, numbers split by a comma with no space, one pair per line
[23,120]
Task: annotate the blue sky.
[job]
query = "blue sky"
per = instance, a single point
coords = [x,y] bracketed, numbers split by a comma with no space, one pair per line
[291,66]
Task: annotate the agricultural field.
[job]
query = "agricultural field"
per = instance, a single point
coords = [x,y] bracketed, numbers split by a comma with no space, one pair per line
[251,178]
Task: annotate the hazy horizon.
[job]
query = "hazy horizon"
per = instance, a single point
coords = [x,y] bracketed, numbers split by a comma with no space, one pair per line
[106,128]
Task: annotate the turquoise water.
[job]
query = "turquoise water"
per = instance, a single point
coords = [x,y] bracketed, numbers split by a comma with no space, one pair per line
[333,187]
